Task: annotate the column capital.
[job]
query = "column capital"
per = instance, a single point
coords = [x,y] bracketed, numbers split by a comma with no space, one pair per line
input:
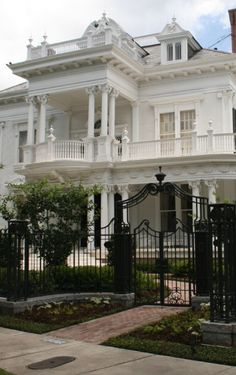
[92,90]
[123,189]
[135,103]
[105,88]
[114,93]
[211,183]
[194,184]
[43,99]
[105,188]
[111,189]
[30,99]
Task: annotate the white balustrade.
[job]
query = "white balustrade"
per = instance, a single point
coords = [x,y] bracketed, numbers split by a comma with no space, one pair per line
[70,150]
[61,150]
[78,150]
[96,40]
[224,142]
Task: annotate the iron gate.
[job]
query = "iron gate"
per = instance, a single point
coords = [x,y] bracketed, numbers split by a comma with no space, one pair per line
[167,265]
[163,265]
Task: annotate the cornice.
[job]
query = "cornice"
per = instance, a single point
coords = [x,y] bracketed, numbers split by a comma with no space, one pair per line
[226,63]
[108,54]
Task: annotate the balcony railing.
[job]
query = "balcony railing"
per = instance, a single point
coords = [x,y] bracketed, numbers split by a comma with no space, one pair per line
[61,150]
[97,40]
[125,151]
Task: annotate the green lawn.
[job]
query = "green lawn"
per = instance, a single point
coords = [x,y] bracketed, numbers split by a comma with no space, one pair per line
[3,372]
[172,336]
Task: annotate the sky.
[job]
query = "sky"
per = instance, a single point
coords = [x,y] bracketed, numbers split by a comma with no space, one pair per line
[62,20]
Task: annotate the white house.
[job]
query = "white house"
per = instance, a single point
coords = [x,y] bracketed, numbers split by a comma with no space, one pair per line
[108,109]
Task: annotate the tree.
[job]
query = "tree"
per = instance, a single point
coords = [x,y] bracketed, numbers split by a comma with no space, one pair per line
[54,212]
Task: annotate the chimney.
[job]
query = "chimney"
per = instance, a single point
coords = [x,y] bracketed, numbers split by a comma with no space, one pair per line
[232,18]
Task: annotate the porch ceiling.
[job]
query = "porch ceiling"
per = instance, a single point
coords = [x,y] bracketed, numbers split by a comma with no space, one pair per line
[76,99]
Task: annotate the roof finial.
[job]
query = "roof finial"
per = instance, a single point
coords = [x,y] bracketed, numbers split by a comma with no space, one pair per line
[45,37]
[104,15]
[30,40]
[173,18]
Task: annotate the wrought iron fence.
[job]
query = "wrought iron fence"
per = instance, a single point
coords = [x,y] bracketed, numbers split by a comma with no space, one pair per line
[222,230]
[41,263]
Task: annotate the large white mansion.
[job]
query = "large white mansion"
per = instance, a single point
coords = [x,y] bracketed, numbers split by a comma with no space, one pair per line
[108,109]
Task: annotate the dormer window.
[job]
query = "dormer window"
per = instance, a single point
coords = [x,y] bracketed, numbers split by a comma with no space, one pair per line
[174,51]
[169,52]
[178,51]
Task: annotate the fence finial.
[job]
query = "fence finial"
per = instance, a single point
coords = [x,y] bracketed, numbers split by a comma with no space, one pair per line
[160,176]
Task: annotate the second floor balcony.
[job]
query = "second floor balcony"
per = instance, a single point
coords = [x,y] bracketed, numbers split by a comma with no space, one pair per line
[102,149]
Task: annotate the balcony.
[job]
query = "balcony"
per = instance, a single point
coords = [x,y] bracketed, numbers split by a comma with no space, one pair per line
[100,150]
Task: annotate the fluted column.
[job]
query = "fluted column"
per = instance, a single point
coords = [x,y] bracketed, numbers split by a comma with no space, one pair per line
[105,91]
[91,110]
[42,117]
[30,130]
[112,104]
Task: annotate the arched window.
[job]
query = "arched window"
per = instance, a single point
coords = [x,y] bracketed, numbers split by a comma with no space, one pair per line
[178,51]
[169,52]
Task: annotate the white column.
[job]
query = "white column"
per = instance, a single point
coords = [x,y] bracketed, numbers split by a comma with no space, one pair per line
[124,191]
[42,117]
[135,121]
[212,185]
[30,130]
[105,90]
[91,110]
[111,206]
[195,185]
[104,207]
[112,104]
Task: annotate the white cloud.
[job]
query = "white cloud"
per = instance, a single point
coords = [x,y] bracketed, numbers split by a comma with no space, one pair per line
[63,20]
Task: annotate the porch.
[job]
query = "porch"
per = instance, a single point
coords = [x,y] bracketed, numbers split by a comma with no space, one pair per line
[108,149]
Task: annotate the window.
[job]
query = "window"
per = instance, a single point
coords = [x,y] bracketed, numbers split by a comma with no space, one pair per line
[178,51]
[22,143]
[167,125]
[169,52]
[187,119]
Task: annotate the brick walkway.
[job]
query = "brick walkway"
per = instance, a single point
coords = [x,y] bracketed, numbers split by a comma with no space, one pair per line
[98,330]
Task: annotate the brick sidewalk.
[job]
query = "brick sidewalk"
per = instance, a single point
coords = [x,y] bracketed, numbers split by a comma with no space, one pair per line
[98,330]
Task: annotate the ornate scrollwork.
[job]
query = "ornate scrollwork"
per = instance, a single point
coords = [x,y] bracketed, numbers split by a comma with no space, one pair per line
[175,297]
[153,189]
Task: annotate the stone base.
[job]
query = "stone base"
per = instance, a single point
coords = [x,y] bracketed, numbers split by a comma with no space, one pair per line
[198,300]
[219,333]
[14,307]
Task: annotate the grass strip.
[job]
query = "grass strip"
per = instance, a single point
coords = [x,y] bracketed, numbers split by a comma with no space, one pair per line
[12,322]
[213,354]
[3,372]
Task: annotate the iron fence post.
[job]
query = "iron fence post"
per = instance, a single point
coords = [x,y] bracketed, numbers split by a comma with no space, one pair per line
[202,263]
[123,263]
[17,267]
